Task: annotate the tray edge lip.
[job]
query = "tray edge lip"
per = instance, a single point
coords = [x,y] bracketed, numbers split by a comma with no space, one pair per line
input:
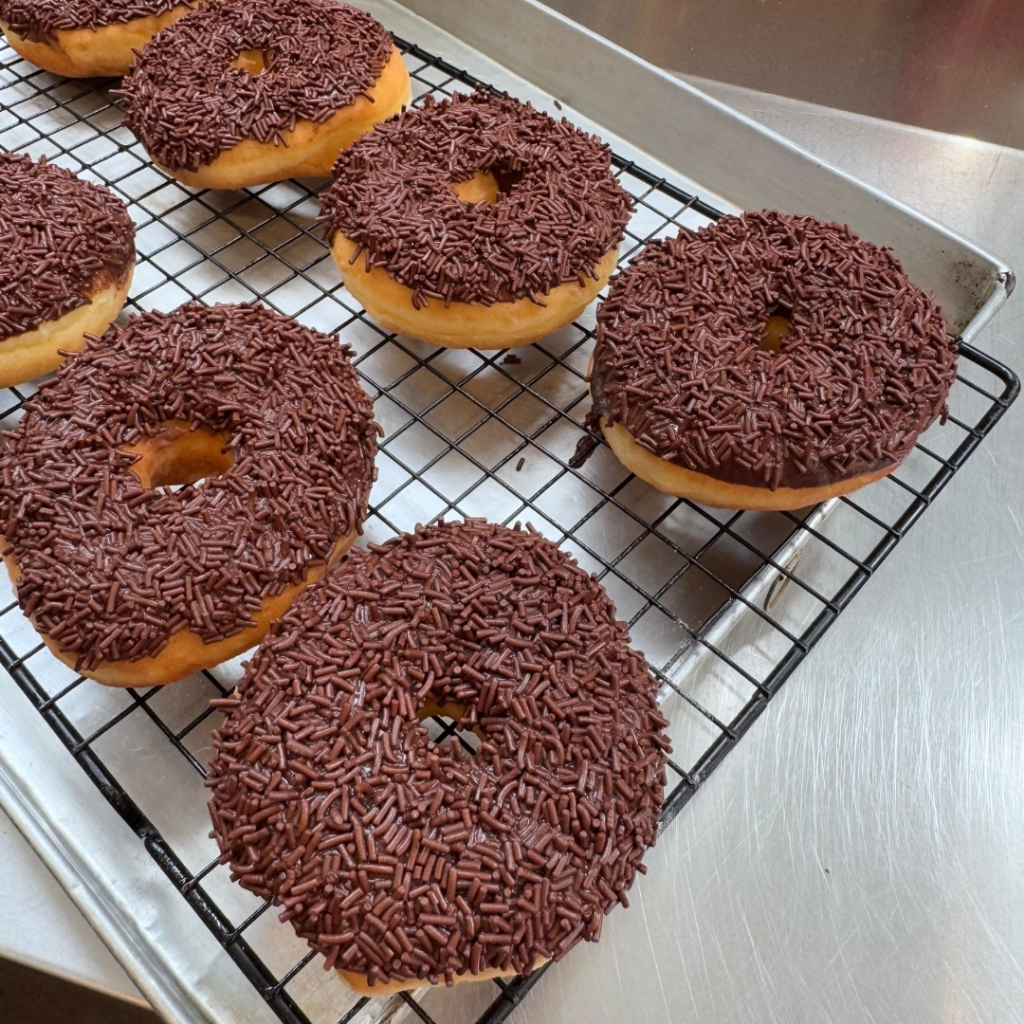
[160,986]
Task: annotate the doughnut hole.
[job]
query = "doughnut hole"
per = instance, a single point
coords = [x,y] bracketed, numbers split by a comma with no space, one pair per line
[776,328]
[481,188]
[486,186]
[180,454]
[446,715]
[253,62]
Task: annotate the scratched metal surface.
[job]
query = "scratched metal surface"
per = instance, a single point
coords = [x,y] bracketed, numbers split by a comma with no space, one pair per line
[860,856]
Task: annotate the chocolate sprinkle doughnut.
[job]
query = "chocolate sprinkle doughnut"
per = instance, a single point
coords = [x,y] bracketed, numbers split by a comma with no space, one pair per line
[865,367]
[402,859]
[111,569]
[558,212]
[62,240]
[188,103]
[38,20]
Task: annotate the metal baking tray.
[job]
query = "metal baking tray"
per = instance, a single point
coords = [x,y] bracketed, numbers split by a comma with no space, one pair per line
[107,784]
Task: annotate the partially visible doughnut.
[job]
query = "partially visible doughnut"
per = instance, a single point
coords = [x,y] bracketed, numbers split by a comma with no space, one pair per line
[767,362]
[136,585]
[275,89]
[475,222]
[405,862]
[66,257]
[86,38]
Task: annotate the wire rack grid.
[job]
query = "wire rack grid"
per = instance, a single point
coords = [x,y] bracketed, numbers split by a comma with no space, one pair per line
[467,433]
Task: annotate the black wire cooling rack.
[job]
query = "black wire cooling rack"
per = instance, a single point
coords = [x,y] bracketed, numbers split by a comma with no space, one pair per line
[467,433]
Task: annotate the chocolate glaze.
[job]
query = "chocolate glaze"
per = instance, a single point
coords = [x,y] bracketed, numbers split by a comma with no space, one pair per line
[559,211]
[62,240]
[38,20]
[188,103]
[110,569]
[866,365]
[398,858]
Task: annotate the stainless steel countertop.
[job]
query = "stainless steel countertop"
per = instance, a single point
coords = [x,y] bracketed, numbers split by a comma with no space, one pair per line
[949,65]
[859,856]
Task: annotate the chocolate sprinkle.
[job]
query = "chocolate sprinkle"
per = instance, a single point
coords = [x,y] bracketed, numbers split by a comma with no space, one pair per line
[399,858]
[62,240]
[866,364]
[188,103]
[111,569]
[558,212]
[38,20]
